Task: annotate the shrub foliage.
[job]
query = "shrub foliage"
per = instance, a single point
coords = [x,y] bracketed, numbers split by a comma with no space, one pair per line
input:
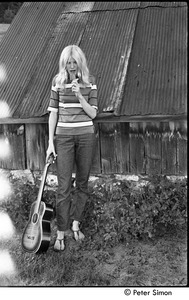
[8,10]
[116,210]
[119,210]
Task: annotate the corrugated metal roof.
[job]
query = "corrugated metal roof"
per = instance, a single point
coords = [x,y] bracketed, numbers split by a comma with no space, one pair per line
[157,73]
[115,5]
[31,53]
[108,44]
[131,5]
[163,4]
[46,65]
[116,37]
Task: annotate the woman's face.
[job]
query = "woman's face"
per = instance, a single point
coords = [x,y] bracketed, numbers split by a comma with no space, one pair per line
[72,67]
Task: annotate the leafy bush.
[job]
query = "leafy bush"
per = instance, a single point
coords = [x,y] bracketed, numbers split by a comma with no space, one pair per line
[18,204]
[115,211]
[121,211]
[8,10]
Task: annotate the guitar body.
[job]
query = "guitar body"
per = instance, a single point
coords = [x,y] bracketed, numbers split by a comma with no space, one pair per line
[36,236]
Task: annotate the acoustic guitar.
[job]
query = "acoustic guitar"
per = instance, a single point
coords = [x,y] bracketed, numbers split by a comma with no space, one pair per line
[36,235]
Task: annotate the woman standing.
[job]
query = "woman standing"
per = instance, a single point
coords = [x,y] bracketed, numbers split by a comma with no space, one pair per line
[72,107]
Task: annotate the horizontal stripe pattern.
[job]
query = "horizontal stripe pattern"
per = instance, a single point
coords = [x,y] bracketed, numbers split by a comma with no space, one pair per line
[70,110]
[76,124]
[52,109]
[68,105]
[70,99]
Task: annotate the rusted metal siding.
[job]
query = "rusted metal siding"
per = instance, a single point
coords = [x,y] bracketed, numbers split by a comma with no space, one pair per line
[31,53]
[130,5]
[21,51]
[107,40]
[136,50]
[100,6]
[157,75]
[66,32]
[163,4]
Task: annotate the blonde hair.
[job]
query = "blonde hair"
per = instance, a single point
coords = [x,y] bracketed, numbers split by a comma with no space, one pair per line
[76,53]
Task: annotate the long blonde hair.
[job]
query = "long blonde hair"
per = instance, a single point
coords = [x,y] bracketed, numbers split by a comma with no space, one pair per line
[77,54]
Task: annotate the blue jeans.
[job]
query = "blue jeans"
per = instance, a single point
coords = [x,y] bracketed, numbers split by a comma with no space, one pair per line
[78,149]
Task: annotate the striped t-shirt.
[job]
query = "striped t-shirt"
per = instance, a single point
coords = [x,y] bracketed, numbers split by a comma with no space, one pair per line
[72,119]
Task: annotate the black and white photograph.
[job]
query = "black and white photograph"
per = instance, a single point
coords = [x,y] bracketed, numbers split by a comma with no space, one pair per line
[93,149]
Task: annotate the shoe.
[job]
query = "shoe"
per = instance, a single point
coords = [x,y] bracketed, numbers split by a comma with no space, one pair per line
[59,245]
[78,235]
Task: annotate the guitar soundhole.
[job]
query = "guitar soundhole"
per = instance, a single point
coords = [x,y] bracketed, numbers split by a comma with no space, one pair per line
[34,218]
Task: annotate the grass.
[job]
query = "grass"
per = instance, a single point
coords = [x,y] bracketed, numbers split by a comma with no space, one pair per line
[157,261]
[161,262]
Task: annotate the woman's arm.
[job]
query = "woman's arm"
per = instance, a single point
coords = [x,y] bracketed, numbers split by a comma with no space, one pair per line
[52,125]
[91,111]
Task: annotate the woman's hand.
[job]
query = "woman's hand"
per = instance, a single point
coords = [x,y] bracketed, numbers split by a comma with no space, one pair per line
[76,88]
[90,111]
[50,149]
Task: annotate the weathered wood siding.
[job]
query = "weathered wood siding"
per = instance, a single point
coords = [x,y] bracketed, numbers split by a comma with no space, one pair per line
[12,143]
[126,148]
[36,136]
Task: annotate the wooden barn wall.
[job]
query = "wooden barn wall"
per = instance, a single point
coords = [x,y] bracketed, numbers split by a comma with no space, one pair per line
[12,147]
[123,148]
[144,148]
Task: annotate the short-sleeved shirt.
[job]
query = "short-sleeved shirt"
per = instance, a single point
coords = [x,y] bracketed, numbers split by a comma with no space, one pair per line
[72,119]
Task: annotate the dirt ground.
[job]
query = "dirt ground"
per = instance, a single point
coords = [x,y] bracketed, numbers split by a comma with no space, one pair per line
[159,262]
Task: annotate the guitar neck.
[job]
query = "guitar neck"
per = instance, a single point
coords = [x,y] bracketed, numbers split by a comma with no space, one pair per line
[41,188]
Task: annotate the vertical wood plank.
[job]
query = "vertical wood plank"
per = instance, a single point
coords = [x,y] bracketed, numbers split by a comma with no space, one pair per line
[124,148]
[182,156]
[96,165]
[153,153]
[137,154]
[36,145]
[12,138]
[169,154]
[108,162]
